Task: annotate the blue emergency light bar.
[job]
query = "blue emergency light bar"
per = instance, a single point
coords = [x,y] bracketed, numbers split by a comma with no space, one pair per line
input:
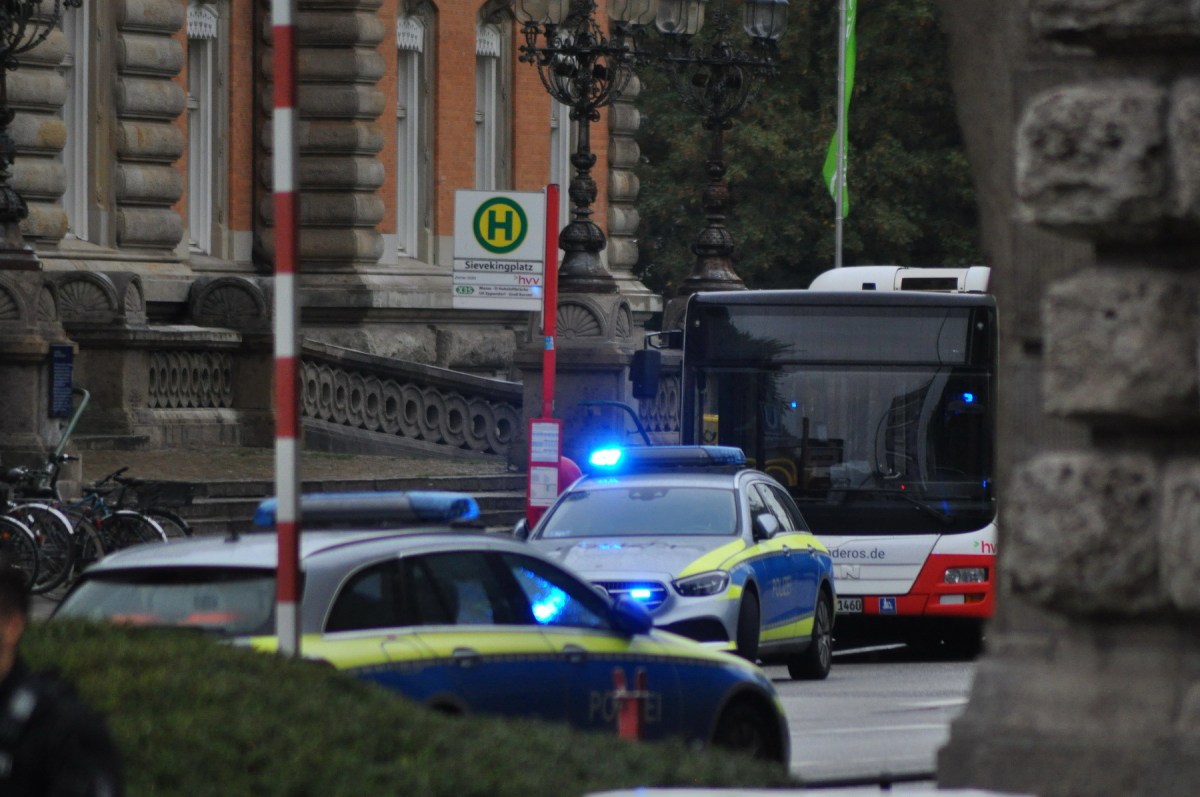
[376,510]
[650,458]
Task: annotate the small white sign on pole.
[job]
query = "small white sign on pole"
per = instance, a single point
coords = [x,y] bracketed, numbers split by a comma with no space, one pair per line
[499,250]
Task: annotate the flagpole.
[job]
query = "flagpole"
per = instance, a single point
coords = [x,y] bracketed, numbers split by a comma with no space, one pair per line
[840,173]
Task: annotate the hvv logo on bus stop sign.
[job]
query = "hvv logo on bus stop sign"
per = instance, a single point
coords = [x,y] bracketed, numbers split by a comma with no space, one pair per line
[499,250]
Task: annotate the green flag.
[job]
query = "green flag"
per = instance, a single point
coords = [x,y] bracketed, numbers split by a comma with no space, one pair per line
[830,171]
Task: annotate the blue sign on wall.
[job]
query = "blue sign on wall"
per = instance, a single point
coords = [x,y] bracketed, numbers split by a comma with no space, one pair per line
[62,367]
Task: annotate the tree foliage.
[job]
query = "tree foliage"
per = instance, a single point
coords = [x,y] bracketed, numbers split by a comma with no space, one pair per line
[910,187]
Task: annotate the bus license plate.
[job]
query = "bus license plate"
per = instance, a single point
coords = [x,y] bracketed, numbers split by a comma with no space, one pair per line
[849,605]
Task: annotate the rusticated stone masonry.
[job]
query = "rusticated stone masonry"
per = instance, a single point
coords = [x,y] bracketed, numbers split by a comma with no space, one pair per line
[339,66]
[1091,680]
[36,92]
[148,101]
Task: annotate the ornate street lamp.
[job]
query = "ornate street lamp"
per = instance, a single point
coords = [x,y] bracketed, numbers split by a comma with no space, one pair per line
[585,70]
[24,24]
[717,79]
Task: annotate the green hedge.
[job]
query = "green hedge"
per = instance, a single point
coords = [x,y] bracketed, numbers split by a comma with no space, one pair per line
[194,717]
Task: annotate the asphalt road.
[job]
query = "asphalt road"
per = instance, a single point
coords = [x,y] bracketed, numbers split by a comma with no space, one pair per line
[883,713]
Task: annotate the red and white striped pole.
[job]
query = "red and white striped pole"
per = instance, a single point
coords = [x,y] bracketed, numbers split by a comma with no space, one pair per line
[287,412]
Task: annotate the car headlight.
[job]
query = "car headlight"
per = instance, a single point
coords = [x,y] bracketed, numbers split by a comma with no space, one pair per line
[966,575]
[709,583]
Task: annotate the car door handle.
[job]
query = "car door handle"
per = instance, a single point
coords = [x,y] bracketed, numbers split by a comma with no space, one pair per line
[575,654]
[466,657]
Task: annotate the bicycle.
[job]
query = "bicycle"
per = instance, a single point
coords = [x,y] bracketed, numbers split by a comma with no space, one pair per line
[39,508]
[19,548]
[116,526]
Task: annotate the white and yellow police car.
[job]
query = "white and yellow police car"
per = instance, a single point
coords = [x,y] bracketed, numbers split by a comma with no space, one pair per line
[459,620]
[714,550]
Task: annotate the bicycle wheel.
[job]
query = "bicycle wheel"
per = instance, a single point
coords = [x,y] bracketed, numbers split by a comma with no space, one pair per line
[126,527]
[171,523]
[53,532]
[18,547]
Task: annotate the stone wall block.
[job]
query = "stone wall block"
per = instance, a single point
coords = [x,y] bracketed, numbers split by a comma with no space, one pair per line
[156,16]
[1183,133]
[340,101]
[1090,160]
[623,154]
[149,141]
[1179,534]
[622,185]
[334,209]
[49,53]
[149,54]
[473,349]
[335,28]
[334,136]
[46,220]
[1080,534]
[623,220]
[36,88]
[140,183]
[1116,350]
[159,228]
[348,65]
[331,247]
[149,98]
[625,116]
[623,252]
[334,173]
[1104,24]
[38,178]
[38,133]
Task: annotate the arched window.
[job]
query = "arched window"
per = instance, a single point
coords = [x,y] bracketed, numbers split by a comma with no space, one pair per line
[414,115]
[203,24]
[492,106]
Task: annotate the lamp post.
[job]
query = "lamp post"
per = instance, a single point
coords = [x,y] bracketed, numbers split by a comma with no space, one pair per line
[717,79]
[24,24]
[585,70]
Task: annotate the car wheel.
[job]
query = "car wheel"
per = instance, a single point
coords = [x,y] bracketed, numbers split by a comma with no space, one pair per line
[814,663]
[748,627]
[748,729]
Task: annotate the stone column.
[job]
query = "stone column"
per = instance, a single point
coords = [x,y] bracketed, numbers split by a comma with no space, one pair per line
[1090,683]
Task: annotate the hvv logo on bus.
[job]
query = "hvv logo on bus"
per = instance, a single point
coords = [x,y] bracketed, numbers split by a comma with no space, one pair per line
[499,250]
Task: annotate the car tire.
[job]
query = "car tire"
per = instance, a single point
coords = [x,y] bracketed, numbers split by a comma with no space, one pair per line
[748,729]
[749,627]
[817,659]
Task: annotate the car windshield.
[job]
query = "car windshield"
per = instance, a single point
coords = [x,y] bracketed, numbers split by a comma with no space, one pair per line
[643,510]
[233,601]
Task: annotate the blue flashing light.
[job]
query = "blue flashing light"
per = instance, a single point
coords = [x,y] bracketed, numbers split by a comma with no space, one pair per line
[375,509]
[545,610]
[641,594]
[968,398]
[653,458]
[794,405]
[606,457]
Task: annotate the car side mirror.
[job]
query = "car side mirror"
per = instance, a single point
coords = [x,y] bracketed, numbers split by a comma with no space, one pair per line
[631,618]
[766,526]
[521,529]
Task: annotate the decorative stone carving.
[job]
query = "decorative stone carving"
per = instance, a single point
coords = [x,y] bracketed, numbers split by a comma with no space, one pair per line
[578,320]
[88,297]
[230,302]
[190,380]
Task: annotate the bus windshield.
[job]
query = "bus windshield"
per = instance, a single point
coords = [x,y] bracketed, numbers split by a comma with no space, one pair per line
[877,422]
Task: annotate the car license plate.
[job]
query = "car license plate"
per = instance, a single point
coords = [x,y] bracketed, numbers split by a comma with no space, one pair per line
[849,605]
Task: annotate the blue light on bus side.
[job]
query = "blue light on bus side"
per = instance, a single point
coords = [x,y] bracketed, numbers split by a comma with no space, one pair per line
[794,405]
[968,398]
[605,457]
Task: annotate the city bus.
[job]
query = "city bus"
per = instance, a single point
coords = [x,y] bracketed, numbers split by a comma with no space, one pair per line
[872,397]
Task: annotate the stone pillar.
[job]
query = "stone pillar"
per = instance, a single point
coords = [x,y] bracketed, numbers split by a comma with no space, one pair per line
[28,327]
[1091,676]
[146,184]
[339,67]
[594,345]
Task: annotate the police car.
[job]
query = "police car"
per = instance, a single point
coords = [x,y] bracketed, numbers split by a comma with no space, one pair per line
[461,621]
[714,550]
